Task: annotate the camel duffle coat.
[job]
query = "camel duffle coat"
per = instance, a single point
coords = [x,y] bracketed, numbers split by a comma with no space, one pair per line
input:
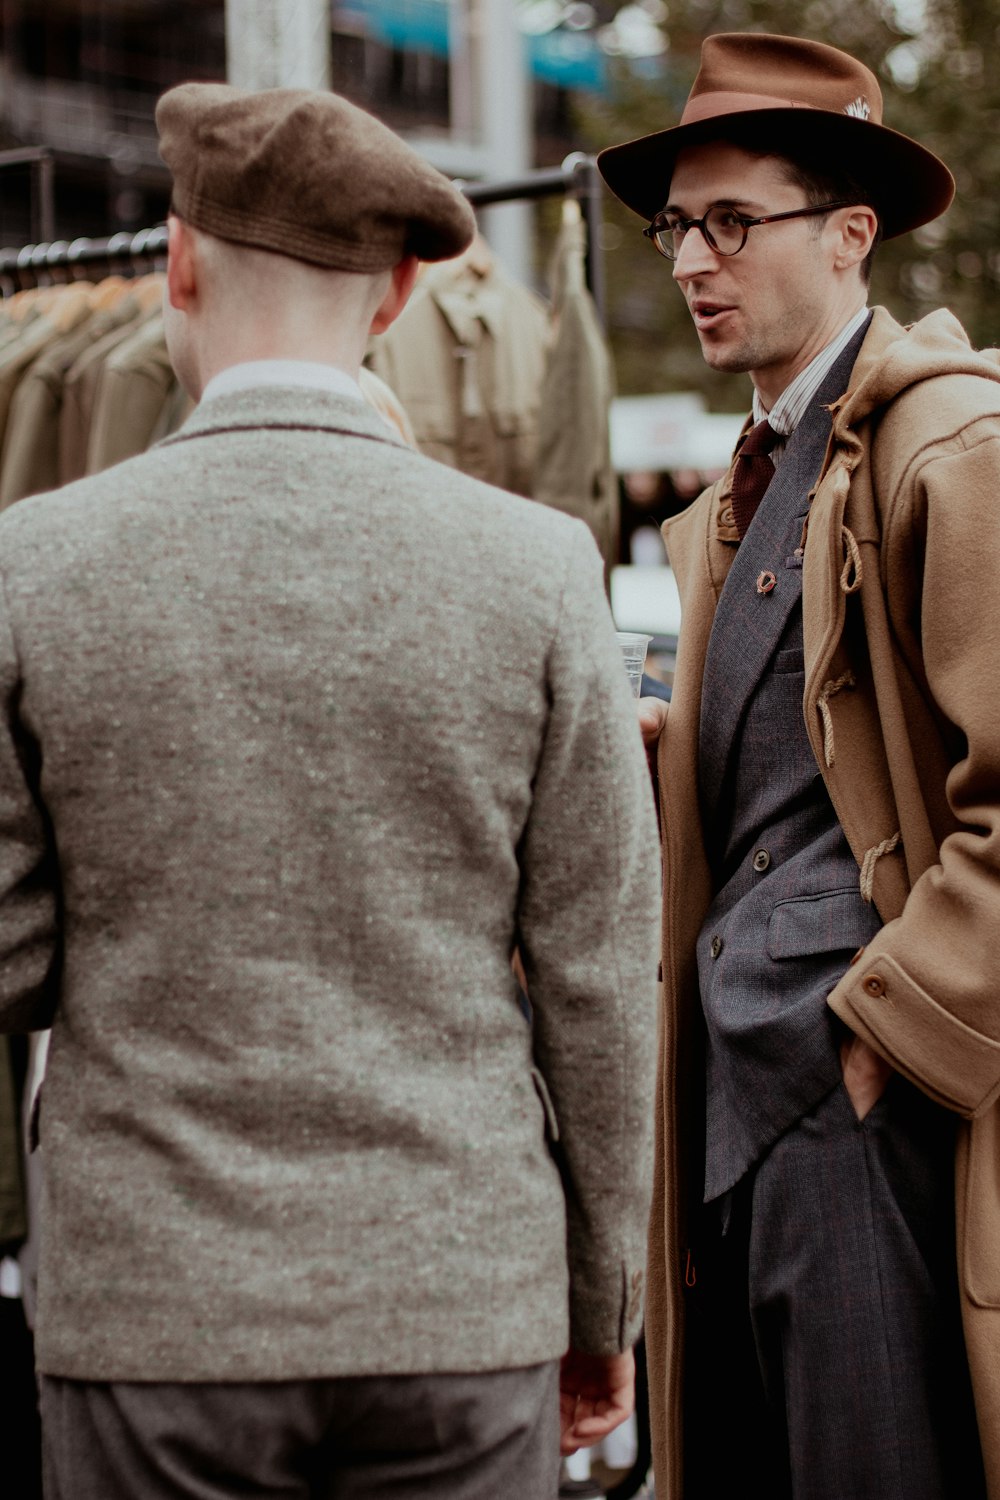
[901,619]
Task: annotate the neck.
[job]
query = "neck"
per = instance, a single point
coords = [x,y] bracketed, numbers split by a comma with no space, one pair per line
[770,384]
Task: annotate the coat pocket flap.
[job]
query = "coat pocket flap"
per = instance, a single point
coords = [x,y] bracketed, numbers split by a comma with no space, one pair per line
[826,923]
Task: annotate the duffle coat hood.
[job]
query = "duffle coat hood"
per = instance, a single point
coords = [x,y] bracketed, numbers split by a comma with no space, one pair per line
[901,622]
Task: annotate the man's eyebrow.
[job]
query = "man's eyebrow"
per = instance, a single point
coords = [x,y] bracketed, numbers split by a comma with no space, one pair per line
[740,205]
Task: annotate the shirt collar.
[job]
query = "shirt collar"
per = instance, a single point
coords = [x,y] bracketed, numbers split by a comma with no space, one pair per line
[790,407]
[301,373]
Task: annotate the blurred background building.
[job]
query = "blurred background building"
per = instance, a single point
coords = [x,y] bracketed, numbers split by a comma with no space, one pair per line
[487,88]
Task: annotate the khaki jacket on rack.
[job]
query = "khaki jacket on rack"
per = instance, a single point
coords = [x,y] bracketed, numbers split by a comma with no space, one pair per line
[30,460]
[136,402]
[467,359]
[80,397]
[573,472]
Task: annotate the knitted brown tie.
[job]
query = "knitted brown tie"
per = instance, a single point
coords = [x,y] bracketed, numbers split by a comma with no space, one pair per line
[754,472]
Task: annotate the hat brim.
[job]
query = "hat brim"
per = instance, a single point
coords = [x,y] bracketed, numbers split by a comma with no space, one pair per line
[909,184]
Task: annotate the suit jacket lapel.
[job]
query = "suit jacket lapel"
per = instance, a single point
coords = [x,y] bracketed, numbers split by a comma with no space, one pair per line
[764,584]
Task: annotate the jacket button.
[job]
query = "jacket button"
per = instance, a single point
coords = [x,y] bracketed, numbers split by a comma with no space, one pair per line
[761,860]
[715,947]
[873,985]
[857,955]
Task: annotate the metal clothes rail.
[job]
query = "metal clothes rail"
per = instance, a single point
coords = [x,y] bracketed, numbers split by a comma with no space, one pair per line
[51,261]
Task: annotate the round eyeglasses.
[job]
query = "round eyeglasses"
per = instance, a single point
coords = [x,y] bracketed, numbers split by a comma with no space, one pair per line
[723,229]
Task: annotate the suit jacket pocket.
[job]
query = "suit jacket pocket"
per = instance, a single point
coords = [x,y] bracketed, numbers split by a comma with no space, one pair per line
[826,923]
[790,661]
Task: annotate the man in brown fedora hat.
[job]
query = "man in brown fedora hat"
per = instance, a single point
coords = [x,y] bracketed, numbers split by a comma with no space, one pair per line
[828,775]
[324,1215]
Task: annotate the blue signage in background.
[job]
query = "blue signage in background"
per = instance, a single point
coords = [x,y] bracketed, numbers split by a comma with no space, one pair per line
[418,24]
[568,59]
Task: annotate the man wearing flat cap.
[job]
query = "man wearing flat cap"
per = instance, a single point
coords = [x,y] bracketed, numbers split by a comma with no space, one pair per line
[322,1213]
[823,1313]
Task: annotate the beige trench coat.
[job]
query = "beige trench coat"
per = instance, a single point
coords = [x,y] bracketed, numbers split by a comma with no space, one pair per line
[902,707]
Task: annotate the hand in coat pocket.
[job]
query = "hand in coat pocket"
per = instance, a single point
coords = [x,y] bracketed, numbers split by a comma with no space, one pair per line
[866,1074]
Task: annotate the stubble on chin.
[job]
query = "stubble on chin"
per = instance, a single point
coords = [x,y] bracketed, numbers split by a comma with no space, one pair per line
[732,359]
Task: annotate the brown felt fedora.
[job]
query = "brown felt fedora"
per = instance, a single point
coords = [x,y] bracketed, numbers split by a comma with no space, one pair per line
[752,86]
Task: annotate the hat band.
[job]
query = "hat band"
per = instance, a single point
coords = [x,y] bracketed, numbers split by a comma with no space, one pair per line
[718,102]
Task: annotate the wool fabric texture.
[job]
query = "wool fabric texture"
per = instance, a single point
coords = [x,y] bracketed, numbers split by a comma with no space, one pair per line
[325,725]
[307,175]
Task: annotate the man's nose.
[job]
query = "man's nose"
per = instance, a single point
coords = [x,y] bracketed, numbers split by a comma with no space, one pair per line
[694,257]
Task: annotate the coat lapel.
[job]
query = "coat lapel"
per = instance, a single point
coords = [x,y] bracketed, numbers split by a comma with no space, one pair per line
[764,584]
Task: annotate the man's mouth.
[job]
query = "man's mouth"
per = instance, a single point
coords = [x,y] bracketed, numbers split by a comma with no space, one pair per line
[707,314]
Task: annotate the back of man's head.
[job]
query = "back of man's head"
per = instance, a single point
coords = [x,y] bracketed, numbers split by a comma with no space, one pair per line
[306,175]
[294,214]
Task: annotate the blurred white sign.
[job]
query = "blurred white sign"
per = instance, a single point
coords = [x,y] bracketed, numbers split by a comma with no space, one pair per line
[662,433]
[645,599]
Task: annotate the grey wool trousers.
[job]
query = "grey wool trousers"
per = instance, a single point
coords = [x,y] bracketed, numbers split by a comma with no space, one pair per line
[419,1437]
[825,1355]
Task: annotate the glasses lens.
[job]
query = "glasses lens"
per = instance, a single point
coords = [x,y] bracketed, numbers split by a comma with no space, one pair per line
[667,234]
[724,230]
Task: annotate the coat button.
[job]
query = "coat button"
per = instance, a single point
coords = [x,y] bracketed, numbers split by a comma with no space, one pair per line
[873,985]
[857,956]
[715,948]
[761,861]
[727,518]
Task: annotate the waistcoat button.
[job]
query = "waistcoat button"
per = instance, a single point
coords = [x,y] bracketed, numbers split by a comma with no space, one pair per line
[761,860]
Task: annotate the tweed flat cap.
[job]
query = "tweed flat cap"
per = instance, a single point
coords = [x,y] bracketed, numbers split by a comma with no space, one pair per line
[308,175]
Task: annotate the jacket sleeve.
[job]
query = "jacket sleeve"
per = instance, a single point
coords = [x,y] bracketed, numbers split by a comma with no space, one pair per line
[28,869]
[588,919]
[926,991]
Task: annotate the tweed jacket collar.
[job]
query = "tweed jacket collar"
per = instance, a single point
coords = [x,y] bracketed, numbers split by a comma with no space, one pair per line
[287,409]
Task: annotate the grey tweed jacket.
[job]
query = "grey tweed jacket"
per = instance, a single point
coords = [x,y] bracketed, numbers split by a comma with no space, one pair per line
[299,732]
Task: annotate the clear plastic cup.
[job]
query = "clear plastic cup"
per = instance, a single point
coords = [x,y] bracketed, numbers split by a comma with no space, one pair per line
[633,648]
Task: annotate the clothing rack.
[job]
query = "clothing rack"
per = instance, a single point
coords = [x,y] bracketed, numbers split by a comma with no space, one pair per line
[577,178]
[52,261]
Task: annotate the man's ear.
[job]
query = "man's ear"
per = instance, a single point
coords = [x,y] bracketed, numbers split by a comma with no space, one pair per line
[857,234]
[182,277]
[403,279]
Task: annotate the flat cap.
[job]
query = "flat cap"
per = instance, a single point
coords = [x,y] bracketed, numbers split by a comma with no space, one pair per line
[308,175]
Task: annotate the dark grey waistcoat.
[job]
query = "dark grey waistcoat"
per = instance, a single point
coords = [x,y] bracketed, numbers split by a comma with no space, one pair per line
[788,912]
